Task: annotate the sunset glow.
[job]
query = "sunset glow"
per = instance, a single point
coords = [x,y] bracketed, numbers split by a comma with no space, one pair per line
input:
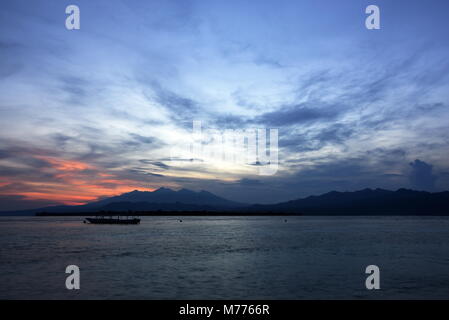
[75,183]
[113,107]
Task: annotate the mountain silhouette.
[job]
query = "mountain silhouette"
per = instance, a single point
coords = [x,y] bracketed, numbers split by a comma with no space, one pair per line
[161,199]
[168,196]
[363,202]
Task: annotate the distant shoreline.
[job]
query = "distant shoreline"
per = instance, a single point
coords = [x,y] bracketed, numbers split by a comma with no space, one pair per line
[229,214]
[166,202]
[162,213]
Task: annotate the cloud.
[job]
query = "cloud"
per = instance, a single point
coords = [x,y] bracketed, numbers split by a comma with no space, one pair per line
[300,114]
[314,139]
[39,175]
[9,58]
[421,175]
[180,109]
[250,182]
[144,140]
[18,202]
[76,89]
[156,163]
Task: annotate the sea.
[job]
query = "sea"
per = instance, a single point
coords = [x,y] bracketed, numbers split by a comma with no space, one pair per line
[226,258]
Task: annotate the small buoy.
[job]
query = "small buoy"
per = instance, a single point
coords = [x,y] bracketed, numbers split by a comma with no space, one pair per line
[285,220]
[180,220]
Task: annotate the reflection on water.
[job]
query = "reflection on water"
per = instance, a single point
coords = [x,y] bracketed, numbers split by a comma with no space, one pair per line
[225,258]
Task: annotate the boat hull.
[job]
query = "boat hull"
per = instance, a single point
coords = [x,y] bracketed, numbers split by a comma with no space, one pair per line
[112,221]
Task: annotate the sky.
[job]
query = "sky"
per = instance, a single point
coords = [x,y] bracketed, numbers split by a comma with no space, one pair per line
[109,108]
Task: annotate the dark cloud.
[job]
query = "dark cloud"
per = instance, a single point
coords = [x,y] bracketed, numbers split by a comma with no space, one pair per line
[181,109]
[15,202]
[145,172]
[421,176]
[315,83]
[4,154]
[74,85]
[10,62]
[316,139]
[265,60]
[305,113]
[337,133]
[181,159]
[229,121]
[156,163]
[139,140]
[377,168]
[100,146]
[250,182]
[60,139]
[76,89]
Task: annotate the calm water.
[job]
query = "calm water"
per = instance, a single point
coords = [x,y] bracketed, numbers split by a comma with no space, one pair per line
[225,258]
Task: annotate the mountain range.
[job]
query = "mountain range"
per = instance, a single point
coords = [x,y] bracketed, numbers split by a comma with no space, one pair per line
[363,202]
[366,202]
[162,199]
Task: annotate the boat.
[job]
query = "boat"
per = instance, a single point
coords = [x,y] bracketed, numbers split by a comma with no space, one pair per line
[111,220]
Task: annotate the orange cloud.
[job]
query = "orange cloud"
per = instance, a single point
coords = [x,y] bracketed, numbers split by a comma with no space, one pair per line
[78,194]
[73,185]
[2,184]
[65,165]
